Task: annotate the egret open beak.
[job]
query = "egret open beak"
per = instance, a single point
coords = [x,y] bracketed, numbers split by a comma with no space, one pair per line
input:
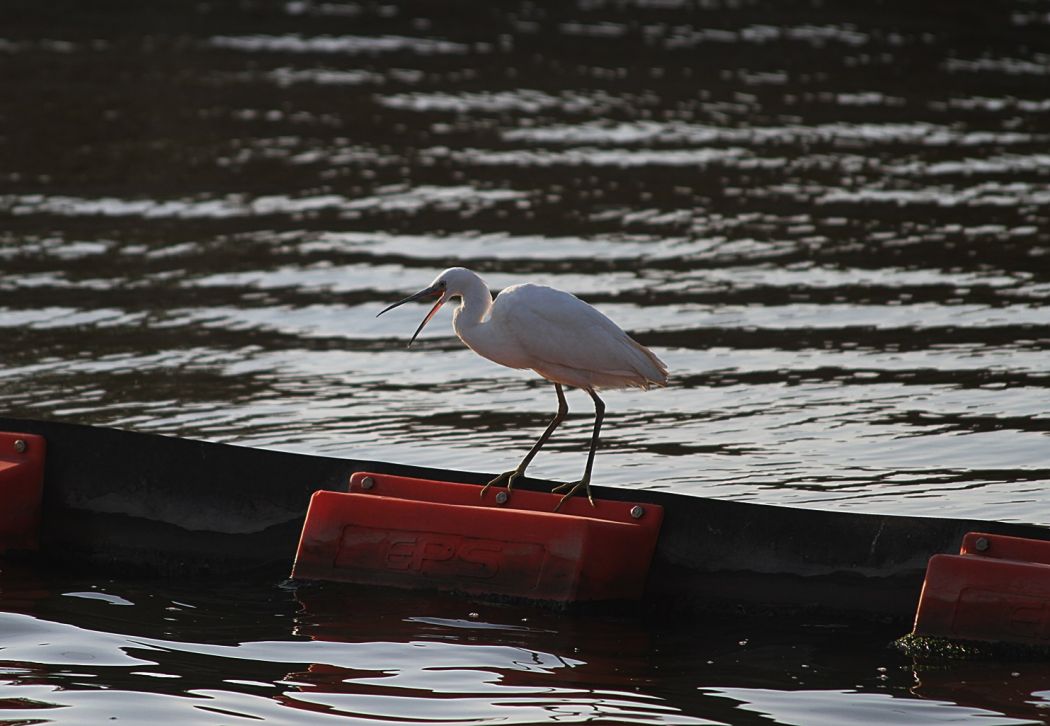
[428,292]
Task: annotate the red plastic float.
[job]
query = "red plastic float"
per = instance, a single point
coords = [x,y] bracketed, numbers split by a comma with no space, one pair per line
[417,533]
[21,487]
[996,589]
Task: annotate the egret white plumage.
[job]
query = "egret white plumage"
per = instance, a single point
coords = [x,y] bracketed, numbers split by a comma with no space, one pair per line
[551,332]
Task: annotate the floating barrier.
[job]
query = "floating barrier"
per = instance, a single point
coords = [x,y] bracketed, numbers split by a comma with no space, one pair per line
[21,488]
[418,533]
[116,503]
[996,589]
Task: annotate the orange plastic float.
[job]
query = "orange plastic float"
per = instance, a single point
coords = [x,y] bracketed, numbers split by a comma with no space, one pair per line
[21,487]
[417,533]
[996,589]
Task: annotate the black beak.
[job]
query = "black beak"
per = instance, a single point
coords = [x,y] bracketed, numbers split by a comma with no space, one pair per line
[428,292]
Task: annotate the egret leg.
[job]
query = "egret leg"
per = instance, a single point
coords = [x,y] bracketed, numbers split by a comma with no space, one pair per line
[510,476]
[585,482]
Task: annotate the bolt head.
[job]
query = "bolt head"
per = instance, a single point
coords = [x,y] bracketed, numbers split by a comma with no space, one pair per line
[367,483]
[982,544]
[637,511]
[501,498]
[21,446]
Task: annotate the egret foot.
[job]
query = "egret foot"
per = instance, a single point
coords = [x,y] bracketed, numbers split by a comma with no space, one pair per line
[573,487]
[507,476]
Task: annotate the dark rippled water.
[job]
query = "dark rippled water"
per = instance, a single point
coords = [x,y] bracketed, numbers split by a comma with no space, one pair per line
[93,653]
[831,220]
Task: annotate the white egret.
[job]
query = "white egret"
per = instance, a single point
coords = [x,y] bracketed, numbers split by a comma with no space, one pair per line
[555,334]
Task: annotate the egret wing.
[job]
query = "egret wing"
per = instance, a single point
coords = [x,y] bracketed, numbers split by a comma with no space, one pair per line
[571,342]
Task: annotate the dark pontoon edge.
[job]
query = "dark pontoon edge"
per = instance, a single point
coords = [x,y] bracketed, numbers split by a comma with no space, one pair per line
[127,502]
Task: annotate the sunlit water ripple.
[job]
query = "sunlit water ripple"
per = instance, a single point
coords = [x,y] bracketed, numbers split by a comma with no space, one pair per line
[830,222]
[845,269]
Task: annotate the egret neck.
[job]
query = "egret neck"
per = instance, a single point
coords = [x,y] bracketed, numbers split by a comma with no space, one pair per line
[470,317]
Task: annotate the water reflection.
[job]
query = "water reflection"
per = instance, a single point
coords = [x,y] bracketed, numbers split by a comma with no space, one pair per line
[339,652]
[1017,690]
[381,665]
[830,708]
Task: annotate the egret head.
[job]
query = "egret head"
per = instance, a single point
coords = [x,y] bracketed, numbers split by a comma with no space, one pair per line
[448,284]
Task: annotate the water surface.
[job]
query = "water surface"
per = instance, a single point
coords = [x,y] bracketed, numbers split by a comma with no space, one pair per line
[830,223]
[90,652]
[829,220]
